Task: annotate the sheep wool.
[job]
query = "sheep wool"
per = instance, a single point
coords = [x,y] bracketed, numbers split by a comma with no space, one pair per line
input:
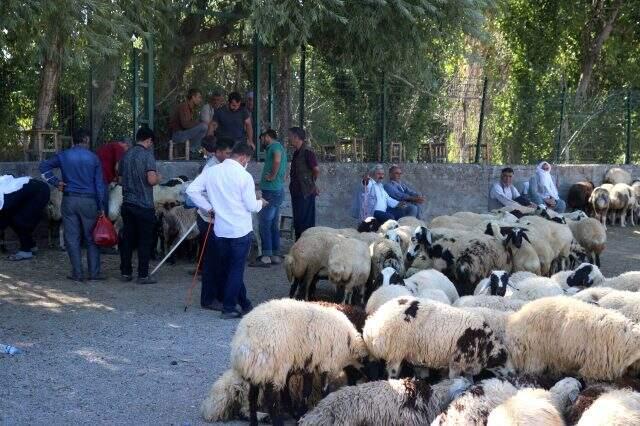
[404,402]
[593,294]
[497,303]
[625,302]
[562,335]
[349,273]
[431,334]
[619,407]
[302,336]
[431,279]
[536,288]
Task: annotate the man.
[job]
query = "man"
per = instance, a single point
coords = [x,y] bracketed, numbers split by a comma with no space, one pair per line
[504,194]
[249,102]
[400,191]
[82,202]
[234,121]
[304,174]
[138,176]
[230,192]
[22,202]
[183,126]
[374,200]
[272,187]
[110,155]
[208,111]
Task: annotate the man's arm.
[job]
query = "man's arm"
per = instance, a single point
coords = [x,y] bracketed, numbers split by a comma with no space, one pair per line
[497,193]
[186,119]
[394,192]
[46,171]
[153,177]
[99,183]
[196,190]
[248,128]
[391,202]
[249,196]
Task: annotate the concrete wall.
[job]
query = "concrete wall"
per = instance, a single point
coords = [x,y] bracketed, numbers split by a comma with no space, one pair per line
[448,187]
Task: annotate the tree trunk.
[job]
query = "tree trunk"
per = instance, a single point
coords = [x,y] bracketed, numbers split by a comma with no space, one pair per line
[106,75]
[49,79]
[283,94]
[593,45]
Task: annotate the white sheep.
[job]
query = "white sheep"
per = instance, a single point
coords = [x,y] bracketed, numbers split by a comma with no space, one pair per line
[622,201]
[536,288]
[115,201]
[344,232]
[54,217]
[591,235]
[349,273]
[427,280]
[283,336]
[600,201]
[532,407]
[562,335]
[593,294]
[625,302]
[617,175]
[519,276]
[429,284]
[433,335]
[497,303]
[557,235]
[390,402]
[411,222]
[388,225]
[384,294]
[618,407]
[176,222]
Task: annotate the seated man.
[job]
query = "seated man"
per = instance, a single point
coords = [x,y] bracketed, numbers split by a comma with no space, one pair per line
[542,189]
[504,194]
[400,191]
[373,200]
[183,125]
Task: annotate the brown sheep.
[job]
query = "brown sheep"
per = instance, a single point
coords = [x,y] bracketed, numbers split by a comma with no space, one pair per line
[579,194]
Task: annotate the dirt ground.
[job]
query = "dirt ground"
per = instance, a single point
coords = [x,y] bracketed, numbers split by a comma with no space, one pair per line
[119,353]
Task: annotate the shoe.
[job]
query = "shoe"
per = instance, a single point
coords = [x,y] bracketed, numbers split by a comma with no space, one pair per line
[231,315]
[248,309]
[261,262]
[215,306]
[276,260]
[126,278]
[76,280]
[146,280]
[98,278]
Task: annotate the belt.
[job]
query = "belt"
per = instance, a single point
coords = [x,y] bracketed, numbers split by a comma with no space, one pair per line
[78,194]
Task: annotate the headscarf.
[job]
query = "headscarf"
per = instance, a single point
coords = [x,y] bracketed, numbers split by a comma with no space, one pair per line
[9,184]
[545,182]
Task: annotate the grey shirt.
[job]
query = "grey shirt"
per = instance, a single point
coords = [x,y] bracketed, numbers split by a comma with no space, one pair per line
[133,170]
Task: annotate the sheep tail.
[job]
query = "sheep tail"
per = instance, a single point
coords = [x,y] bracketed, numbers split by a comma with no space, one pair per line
[288,266]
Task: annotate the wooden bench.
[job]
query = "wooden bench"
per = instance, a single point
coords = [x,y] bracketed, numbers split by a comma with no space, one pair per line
[172,150]
[286,227]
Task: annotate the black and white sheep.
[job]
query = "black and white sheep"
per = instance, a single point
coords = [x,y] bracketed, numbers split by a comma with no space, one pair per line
[432,335]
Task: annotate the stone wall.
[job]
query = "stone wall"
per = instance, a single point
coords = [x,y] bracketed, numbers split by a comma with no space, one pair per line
[448,187]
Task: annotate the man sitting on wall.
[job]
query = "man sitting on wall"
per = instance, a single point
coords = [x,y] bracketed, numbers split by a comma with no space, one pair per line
[373,200]
[400,191]
[504,194]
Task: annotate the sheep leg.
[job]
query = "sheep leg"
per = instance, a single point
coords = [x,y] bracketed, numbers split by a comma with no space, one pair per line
[253,404]
[356,297]
[271,400]
[324,384]
[294,287]
[352,375]
[340,294]
[598,260]
[311,288]
[307,388]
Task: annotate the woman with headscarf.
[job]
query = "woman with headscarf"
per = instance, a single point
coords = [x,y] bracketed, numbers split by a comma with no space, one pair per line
[542,189]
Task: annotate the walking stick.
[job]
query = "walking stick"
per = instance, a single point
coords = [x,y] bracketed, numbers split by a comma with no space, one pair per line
[173,249]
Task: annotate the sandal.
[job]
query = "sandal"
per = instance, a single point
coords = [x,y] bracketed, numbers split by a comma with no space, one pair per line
[21,255]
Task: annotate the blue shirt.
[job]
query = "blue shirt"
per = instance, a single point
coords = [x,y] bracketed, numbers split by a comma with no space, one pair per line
[81,172]
[399,191]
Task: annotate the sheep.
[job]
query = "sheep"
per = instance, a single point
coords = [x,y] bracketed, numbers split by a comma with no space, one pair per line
[497,284]
[387,226]
[558,237]
[618,407]
[593,294]
[115,202]
[355,314]
[575,279]
[625,302]
[523,254]
[384,253]
[497,303]
[496,319]
[302,336]
[401,235]
[390,402]
[536,288]
[430,279]
[562,335]
[590,275]
[54,218]
[431,334]
[579,194]
[621,202]
[383,294]
[307,261]
[591,235]
[411,222]
[344,232]
[536,406]
[635,187]
[420,263]
[171,192]
[617,175]
[349,273]
[176,222]
[475,404]
[600,202]
[519,276]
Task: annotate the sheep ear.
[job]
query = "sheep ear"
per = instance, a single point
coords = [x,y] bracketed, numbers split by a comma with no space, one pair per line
[526,237]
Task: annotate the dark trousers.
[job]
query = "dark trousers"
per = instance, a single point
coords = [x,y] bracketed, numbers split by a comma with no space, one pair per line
[138,224]
[212,289]
[22,210]
[304,213]
[382,217]
[79,215]
[227,272]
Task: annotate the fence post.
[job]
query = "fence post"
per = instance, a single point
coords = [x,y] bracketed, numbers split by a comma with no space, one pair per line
[383,117]
[481,124]
[627,157]
[559,141]
[303,76]
[271,98]
[256,93]
[92,142]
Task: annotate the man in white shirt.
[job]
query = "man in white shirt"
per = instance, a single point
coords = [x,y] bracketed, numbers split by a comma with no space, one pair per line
[228,189]
[379,198]
[504,194]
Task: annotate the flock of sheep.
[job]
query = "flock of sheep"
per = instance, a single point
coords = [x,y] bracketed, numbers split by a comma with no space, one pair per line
[499,318]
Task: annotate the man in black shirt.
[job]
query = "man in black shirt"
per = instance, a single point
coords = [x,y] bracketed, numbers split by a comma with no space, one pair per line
[138,176]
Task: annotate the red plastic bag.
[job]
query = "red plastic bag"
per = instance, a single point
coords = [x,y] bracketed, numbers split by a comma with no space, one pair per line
[104,234]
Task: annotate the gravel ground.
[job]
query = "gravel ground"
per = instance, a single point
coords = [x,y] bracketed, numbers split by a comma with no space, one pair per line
[123,354]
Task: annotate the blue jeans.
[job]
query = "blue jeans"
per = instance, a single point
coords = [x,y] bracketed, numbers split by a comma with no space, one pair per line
[269,226]
[194,135]
[228,270]
[79,215]
[409,209]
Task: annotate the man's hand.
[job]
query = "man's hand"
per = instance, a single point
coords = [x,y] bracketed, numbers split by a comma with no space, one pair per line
[269,178]
[61,186]
[265,203]
[419,199]
[100,213]
[365,179]
[550,202]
